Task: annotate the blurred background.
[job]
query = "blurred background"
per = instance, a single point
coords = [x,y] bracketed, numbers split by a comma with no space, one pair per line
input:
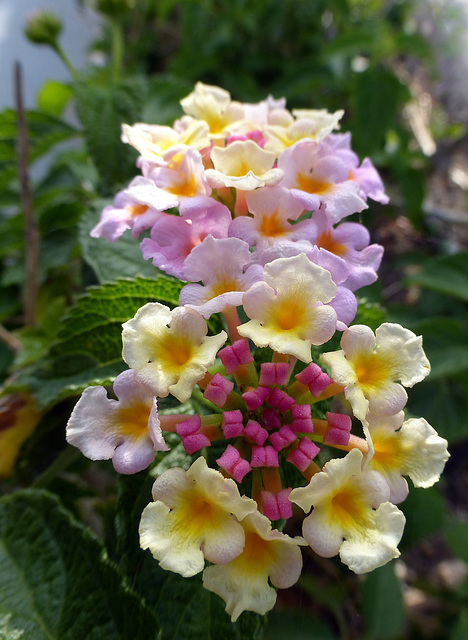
[398,68]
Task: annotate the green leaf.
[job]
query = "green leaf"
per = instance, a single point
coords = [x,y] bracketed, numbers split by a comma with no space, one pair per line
[442,402]
[376,98]
[369,313]
[184,609]
[187,611]
[460,631]
[445,274]
[109,260]
[382,603]
[94,325]
[456,535]
[44,131]
[53,97]
[89,340]
[425,513]
[56,582]
[164,94]
[7,632]
[297,625]
[102,110]
[448,361]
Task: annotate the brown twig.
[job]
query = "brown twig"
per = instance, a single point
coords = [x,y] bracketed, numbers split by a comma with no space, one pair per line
[31,234]
[9,339]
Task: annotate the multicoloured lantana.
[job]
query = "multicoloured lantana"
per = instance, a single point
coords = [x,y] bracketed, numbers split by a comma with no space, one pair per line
[247,204]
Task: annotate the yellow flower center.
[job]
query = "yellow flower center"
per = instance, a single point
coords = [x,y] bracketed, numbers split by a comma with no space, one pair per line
[257,554]
[223,285]
[137,210]
[348,508]
[172,352]
[133,421]
[326,241]
[309,184]
[197,514]
[288,313]
[242,168]
[216,122]
[372,370]
[188,187]
[272,226]
[387,450]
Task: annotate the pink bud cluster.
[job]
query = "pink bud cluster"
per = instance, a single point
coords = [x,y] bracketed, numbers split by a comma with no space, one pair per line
[270,425]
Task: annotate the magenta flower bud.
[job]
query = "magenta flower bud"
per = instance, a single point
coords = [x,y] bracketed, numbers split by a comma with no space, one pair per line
[314,378]
[255,398]
[282,438]
[281,400]
[274,373]
[234,355]
[232,424]
[232,462]
[218,389]
[276,506]
[192,439]
[303,455]
[340,427]
[302,420]
[270,419]
[255,433]
[264,457]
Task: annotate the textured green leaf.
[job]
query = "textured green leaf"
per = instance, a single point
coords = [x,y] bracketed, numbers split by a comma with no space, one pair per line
[382,603]
[102,110]
[44,131]
[109,260]
[88,349]
[56,582]
[94,324]
[164,93]
[89,340]
[187,611]
[184,609]
[445,274]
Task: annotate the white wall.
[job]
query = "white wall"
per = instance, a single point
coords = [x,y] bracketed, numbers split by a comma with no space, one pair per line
[40,63]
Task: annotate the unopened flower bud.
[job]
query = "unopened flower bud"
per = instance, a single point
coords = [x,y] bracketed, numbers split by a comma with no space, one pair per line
[43,27]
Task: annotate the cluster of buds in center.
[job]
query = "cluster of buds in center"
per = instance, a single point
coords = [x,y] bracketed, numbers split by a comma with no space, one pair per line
[260,194]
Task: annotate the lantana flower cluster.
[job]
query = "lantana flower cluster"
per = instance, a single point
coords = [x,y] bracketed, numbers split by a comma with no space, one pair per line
[247,204]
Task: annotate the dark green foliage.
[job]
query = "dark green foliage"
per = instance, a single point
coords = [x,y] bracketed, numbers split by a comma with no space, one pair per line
[56,578]
[88,348]
[56,581]
[102,109]
[44,131]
